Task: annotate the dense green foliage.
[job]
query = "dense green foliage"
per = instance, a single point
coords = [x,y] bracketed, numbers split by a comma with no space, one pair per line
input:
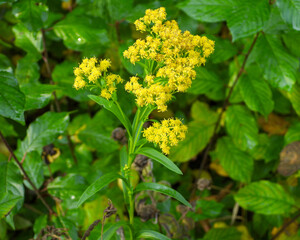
[240,159]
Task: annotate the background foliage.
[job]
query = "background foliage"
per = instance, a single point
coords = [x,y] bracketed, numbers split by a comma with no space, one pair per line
[242,112]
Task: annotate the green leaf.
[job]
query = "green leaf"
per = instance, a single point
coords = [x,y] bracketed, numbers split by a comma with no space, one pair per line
[209,210]
[11,98]
[150,234]
[281,103]
[5,64]
[207,11]
[7,203]
[278,66]
[88,34]
[97,132]
[293,133]
[109,105]
[33,166]
[290,10]
[119,9]
[295,98]
[256,94]
[159,157]
[109,233]
[68,188]
[27,70]
[31,42]
[224,50]
[242,126]
[162,189]
[265,197]
[205,82]
[223,233]
[43,131]
[39,224]
[32,13]
[197,137]
[290,41]
[7,129]
[98,185]
[200,112]
[37,95]
[238,164]
[64,77]
[245,20]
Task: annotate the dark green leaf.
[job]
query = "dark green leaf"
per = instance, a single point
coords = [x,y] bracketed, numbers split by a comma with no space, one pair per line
[119,9]
[7,203]
[290,10]
[265,197]
[257,94]
[209,210]
[293,134]
[278,65]
[68,189]
[224,50]
[33,166]
[98,185]
[242,126]
[32,13]
[281,103]
[31,42]
[162,189]
[5,64]
[39,224]
[238,164]
[27,70]
[207,11]
[109,105]
[222,233]
[150,234]
[159,157]
[6,128]
[11,98]
[43,131]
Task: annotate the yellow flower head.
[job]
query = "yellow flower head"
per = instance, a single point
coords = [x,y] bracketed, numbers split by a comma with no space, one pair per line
[91,70]
[166,134]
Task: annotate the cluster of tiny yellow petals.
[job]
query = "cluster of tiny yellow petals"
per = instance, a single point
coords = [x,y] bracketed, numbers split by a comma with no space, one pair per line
[166,134]
[175,53]
[90,70]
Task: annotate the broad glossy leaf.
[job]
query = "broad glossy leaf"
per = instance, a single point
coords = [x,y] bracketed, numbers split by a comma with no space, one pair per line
[7,203]
[293,134]
[256,94]
[43,131]
[32,13]
[98,185]
[295,98]
[162,189]
[68,188]
[109,105]
[290,10]
[33,166]
[278,66]
[12,100]
[197,137]
[265,197]
[229,233]
[31,42]
[150,234]
[207,11]
[88,34]
[159,157]
[242,126]
[238,164]
[245,20]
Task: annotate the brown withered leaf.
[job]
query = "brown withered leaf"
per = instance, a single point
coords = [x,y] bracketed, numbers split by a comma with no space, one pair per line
[275,125]
[289,159]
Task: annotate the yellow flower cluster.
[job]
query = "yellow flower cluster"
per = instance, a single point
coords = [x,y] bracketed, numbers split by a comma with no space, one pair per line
[173,54]
[167,133]
[91,70]
[154,93]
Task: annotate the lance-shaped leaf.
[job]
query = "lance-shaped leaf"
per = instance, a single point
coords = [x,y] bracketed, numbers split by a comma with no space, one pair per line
[162,189]
[109,233]
[265,197]
[98,185]
[159,157]
[150,234]
[109,105]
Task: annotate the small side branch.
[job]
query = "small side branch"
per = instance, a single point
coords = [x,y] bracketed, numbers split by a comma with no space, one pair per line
[25,175]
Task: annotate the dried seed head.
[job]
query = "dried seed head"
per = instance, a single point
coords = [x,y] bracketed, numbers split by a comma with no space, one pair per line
[145,211]
[203,183]
[140,162]
[119,134]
